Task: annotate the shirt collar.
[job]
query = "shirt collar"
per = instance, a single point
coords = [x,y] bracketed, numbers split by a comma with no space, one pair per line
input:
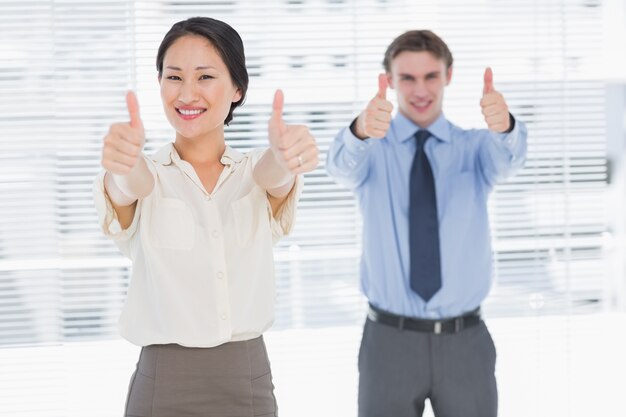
[404,129]
[231,156]
[168,155]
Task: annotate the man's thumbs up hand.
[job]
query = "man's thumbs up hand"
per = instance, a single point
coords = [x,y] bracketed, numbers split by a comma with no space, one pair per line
[488,81]
[493,106]
[382,86]
[374,121]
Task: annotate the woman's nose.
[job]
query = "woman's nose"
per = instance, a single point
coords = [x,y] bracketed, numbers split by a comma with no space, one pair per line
[188,93]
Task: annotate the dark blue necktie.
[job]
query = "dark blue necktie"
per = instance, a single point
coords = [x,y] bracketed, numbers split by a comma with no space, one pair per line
[423,224]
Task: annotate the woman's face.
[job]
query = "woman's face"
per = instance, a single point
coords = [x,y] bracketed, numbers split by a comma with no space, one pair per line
[196,88]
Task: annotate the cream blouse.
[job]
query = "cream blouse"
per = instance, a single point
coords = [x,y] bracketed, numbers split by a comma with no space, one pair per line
[203,268]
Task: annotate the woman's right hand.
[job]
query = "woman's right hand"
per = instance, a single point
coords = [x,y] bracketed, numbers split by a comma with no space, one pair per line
[128,177]
[123,144]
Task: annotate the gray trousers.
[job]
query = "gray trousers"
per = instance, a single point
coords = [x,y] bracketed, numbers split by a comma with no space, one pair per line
[399,369]
[233,379]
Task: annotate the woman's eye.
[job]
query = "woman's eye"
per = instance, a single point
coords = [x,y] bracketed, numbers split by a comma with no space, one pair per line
[206,77]
[173,78]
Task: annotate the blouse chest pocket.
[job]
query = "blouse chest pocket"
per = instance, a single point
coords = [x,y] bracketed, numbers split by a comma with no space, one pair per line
[250,217]
[172,225]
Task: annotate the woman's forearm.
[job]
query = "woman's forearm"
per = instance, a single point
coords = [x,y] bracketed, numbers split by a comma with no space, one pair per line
[272,176]
[124,190]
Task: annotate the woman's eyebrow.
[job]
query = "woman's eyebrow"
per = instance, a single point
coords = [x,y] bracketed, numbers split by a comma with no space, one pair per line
[197,68]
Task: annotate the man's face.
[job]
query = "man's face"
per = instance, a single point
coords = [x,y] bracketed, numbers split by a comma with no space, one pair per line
[419,79]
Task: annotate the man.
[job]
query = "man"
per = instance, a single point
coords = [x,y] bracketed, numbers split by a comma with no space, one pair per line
[422,184]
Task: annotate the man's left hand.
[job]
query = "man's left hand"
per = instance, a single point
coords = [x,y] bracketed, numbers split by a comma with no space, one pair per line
[494,106]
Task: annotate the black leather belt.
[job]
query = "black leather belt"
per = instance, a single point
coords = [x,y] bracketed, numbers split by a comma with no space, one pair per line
[450,325]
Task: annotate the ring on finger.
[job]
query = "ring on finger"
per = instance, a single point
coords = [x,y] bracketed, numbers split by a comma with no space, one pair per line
[300,161]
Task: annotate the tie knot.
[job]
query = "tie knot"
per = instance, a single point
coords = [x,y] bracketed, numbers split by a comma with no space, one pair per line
[421,136]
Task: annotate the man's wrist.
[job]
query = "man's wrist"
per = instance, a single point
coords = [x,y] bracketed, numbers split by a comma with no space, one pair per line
[511,124]
[354,130]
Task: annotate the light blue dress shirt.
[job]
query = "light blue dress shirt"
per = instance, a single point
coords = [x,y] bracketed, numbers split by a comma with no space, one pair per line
[466,165]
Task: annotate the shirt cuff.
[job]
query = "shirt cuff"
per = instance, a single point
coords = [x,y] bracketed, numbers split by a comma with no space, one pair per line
[283,222]
[357,148]
[510,139]
[107,217]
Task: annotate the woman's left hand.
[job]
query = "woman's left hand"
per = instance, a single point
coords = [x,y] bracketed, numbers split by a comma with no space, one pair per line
[293,146]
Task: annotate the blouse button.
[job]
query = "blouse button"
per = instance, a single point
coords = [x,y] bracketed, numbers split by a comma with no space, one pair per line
[215,234]
[223,316]
[220,275]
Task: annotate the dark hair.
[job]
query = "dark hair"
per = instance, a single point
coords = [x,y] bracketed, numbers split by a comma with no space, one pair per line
[417,41]
[224,39]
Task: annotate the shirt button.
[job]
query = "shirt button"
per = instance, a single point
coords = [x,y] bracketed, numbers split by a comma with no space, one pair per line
[223,316]
[207,197]
[215,234]
[220,275]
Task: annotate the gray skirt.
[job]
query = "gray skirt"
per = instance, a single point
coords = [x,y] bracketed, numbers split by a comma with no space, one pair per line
[230,380]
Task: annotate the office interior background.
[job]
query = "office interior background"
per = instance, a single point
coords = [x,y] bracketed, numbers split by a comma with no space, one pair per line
[557,306]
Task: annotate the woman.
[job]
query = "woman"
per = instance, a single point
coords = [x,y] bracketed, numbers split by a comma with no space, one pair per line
[198,220]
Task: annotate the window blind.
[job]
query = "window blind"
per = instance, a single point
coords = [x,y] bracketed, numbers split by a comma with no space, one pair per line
[64,74]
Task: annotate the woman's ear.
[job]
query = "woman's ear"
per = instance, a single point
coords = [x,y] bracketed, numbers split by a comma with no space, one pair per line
[237,96]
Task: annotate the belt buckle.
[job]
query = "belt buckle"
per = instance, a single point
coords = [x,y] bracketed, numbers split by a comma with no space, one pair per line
[437,329]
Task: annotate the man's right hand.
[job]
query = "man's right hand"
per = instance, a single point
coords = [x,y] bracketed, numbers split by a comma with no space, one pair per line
[124,142]
[374,121]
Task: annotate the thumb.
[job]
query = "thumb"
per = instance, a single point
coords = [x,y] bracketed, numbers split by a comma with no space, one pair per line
[382,86]
[277,126]
[488,86]
[133,110]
